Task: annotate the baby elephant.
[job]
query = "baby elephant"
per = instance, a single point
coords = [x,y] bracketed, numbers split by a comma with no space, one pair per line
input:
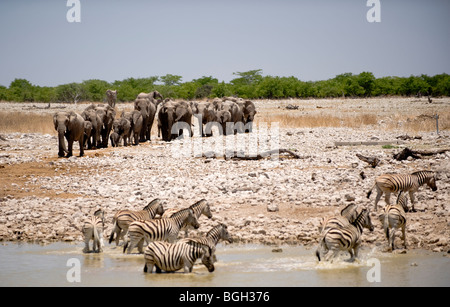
[93,230]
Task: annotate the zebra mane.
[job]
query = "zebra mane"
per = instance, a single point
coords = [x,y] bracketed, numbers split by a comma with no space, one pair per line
[360,217]
[181,212]
[215,229]
[154,202]
[422,172]
[200,202]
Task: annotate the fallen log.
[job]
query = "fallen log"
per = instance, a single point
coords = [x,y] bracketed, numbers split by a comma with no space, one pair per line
[238,155]
[372,161]
[417,154]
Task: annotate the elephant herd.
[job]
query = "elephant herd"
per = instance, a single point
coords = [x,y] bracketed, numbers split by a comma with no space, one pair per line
[97,124]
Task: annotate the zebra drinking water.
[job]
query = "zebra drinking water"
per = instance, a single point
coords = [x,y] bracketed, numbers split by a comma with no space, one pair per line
[347,238]
[158,230]
[389,183]
[93,230]
[394,217]
[123,218]
[172,257]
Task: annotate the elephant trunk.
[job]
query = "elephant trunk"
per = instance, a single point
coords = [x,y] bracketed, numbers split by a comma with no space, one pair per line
[170,122]
[62,141]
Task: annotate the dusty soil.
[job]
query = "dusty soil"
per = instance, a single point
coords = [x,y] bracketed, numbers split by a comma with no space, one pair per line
[275,200]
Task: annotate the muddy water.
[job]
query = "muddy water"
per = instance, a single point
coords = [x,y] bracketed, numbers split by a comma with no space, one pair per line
[62,264]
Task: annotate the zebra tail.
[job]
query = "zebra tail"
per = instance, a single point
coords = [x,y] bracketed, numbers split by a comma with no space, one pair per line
[111,237]
[320,247]
[96,239]
[370,191]
[386,225]
[125,246]
[145,268]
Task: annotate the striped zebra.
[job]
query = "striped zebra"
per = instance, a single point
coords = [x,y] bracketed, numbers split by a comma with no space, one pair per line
[348,215]
[390,183]
[158,230]
[213,236]
[172,257]
[93,230]
[200,207]
[123,218]
[394,217]
[347,238]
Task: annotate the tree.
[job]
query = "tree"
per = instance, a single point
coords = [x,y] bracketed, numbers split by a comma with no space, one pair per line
[72,92]
[95,89]
[171,80]
[247,77]
[20,90]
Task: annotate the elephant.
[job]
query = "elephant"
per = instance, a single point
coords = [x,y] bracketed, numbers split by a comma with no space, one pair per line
[154,96]
[249,111]
[107,115]
[174,116]
[204,113]
[91,115]
[121,128]
[147,104]
[71,126]
[236,123]
[111,97]
[115,138]
[136,124]
[87,131]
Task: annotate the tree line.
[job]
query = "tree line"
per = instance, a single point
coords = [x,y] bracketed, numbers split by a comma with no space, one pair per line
[250,84]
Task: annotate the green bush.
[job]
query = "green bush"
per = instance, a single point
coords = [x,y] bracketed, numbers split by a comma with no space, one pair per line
[250,84]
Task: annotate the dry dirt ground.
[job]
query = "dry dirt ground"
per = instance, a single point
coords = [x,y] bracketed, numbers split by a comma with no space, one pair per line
[274,200]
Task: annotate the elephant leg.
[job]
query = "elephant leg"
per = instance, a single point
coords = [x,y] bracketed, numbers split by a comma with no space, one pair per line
[70,148]
[81,142]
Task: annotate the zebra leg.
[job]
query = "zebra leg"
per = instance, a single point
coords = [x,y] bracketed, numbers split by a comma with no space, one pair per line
[392,239]
[377,199]
[404,236]
[87,238]
[413,201]
[387,197]
[141,246]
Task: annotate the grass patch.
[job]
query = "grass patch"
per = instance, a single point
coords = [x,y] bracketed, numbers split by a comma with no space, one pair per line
[26,123]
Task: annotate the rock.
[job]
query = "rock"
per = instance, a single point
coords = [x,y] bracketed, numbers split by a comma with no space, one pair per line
[272,207]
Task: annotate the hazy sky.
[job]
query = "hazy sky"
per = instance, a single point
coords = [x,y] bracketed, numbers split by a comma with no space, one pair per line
[311,39]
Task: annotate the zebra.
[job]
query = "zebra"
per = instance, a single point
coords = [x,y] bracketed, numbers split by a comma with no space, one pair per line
[213,236]
[123,218]
[389,183]
[347,238]
[394,217]
[348,215]
[158,229]
[172,257]
[200,207]
[93,230]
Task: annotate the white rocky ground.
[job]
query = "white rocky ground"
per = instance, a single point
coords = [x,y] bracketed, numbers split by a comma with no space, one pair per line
[274,200]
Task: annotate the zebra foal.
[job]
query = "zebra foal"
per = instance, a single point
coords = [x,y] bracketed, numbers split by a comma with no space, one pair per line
[347,238]
[93,230]
[172,257]
[391,183]
[394,217]
[123,218]
[199,208]
[158,230]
